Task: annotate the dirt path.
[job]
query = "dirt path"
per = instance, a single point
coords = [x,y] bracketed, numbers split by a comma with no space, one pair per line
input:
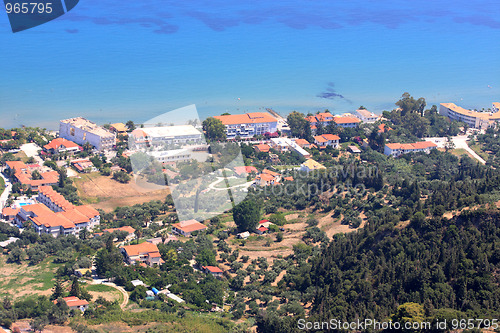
[120,289]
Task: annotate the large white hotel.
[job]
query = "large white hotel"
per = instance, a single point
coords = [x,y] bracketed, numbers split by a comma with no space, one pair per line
[81,131]
[249,124]
[479,120]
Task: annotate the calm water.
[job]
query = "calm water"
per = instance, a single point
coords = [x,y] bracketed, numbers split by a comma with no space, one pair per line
[110,61]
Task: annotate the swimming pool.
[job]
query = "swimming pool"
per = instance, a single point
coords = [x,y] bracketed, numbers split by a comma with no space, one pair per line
[24,203]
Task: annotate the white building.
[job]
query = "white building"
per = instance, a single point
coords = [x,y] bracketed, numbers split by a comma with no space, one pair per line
[171,156]
[286,144]
[366,116]
[327,140]
[81,131]
[249,124]
[179,135]
[397,149]
[479,120]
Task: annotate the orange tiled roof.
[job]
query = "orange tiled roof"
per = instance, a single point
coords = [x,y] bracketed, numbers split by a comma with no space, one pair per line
[7,211]
[382,128]
[55,197]
[247,118]
[331,137]
[302,142]
[74,301]
[189,226]
[266,177]
[60,142]
[311,119]
[263,148]
[87,210]
[411,146]
[320,138]
[18,165]
[212,269]
[143,248]
[346,120]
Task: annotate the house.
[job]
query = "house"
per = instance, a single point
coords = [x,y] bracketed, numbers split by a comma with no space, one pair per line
[186,228]
[354,149]
[136,283]
[119,128]
[9,214]
[25,174]
[249,124]
[146,252]
[311,165]
[303,143]
[81,131]
[397,149]
[129,229]
[346,121]
[83,165]
[265,223]
[262,148]
[367,116]
[243,235]
[82,272]
[268,177]
[74,303]
[215,271]
[61,145]
[325,140]
[261,230]
[286,144]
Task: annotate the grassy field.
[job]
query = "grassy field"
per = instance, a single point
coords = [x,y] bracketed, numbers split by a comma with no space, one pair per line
[20,281]
[106,193]
[477,150]
[104,291]
[461,152]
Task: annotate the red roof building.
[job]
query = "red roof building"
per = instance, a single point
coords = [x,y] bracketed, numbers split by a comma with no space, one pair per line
[61,145]
[146,252]
[185,228]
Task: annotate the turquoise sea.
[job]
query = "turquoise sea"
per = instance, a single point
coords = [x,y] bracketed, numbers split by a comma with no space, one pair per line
[113,61]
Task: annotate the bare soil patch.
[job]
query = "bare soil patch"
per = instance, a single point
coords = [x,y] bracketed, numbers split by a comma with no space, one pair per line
[106,193]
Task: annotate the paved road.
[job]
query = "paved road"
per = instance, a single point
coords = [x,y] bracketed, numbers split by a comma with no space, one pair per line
[6,192]
[460,141]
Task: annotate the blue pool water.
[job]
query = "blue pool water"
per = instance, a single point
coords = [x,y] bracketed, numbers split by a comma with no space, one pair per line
[24,203]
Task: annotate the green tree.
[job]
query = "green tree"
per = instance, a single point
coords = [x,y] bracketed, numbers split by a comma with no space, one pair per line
[247,214]
[214,129]
[57,291]
[75,287]
[130,125]
[206,257]
[298,124]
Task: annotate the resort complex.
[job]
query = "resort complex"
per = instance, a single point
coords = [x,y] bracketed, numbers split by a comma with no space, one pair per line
[474,119]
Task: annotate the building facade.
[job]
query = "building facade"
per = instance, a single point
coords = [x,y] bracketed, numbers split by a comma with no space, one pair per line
[81,131]
[249,124]
[398,149]
[474,119]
